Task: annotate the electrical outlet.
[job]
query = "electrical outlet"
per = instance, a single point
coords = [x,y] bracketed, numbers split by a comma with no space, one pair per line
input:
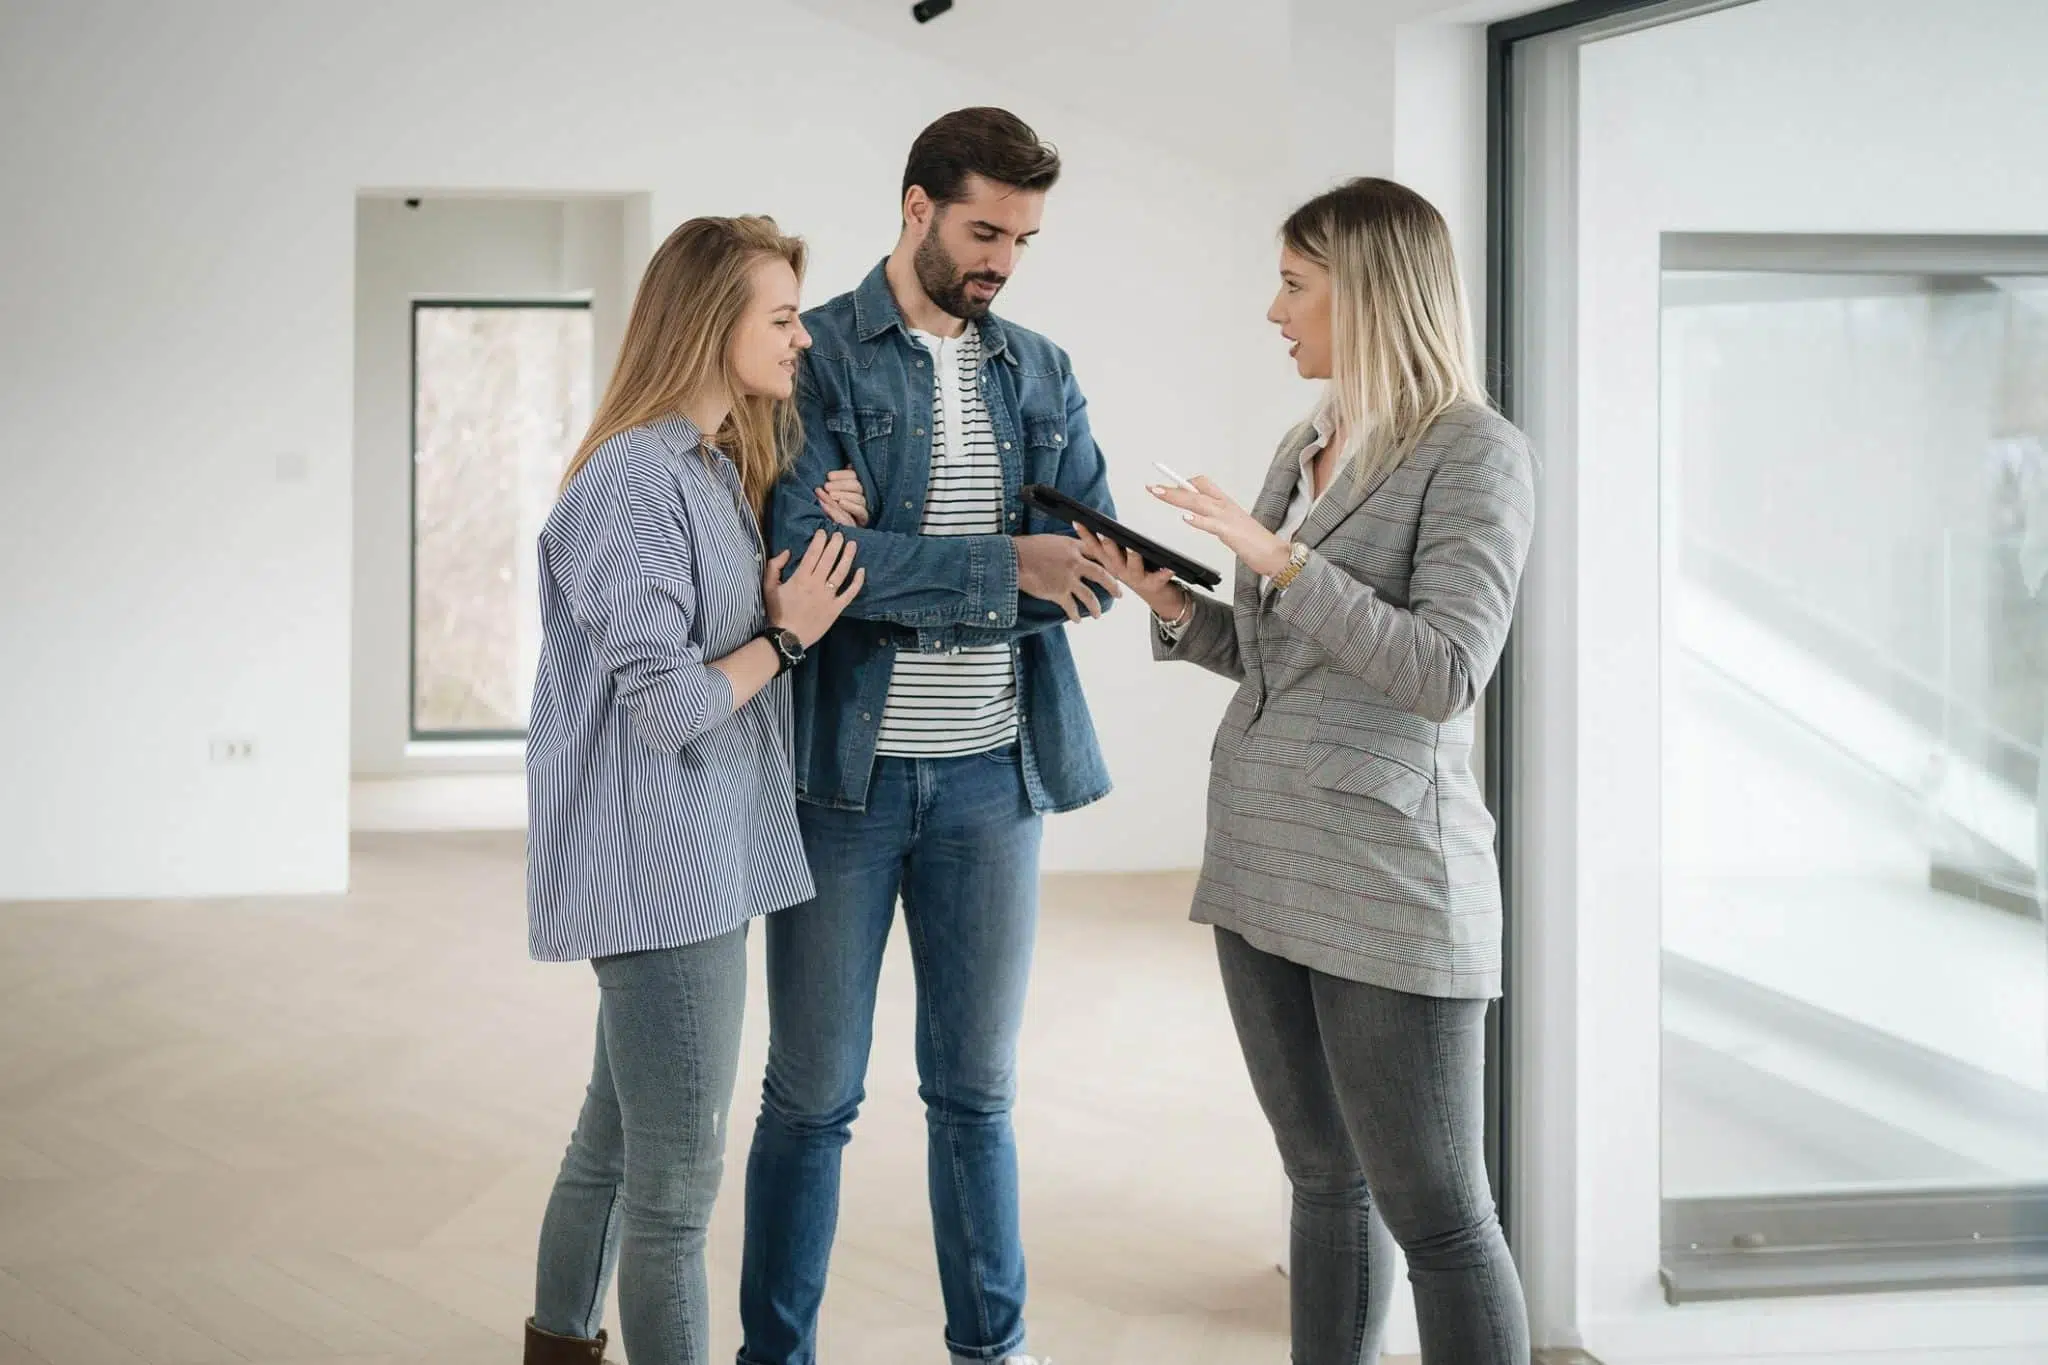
[233,750]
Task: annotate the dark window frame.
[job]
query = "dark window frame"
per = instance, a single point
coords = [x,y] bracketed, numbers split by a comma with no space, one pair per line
[1498,713]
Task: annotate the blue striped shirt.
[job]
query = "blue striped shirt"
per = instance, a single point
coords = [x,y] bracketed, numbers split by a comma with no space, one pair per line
[658,815]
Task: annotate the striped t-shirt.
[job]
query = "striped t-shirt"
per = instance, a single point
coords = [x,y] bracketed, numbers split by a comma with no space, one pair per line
[964,701]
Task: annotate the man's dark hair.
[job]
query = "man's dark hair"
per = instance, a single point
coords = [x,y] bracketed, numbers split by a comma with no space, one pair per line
[992,143]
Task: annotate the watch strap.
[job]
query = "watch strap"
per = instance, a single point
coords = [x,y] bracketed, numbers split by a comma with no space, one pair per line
[778,640]
[1296,558]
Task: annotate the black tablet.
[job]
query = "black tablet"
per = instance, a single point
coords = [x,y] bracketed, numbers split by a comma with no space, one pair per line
[1054,503]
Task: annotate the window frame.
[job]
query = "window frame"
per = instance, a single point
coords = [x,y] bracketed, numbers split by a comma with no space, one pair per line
[1501,708]
[1706,1249]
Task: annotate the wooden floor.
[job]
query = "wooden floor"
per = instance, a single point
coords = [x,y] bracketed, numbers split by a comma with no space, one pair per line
[322,1131]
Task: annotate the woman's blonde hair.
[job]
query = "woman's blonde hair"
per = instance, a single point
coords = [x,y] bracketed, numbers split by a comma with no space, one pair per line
[1401,352]
[678,345]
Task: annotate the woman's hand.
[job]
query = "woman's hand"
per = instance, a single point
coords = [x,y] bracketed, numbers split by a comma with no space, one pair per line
[820,588]
[1210,509]
[843,499]
[1154,586]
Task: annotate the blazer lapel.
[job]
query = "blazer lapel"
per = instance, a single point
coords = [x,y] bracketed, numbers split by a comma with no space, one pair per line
[1340,502]
[1269,511]
[1271,508]
[1336,504]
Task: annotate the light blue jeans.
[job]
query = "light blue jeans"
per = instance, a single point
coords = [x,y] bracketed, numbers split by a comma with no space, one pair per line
[642,1171]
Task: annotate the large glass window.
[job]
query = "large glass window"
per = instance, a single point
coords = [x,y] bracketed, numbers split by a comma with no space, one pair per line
[1855,694]
[501,394]
[1778,859]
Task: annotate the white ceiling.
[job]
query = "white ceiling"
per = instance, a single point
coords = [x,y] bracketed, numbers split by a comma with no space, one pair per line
[1205,78]
[1209,79]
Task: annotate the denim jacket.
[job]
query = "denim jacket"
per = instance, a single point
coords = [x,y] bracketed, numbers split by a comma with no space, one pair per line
[865,395]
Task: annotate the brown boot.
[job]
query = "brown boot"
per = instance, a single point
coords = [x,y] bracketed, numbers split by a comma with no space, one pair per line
[545,1348]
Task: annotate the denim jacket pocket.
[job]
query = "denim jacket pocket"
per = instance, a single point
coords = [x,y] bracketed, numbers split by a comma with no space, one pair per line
[862,425]
[1045,441]
[1045,431]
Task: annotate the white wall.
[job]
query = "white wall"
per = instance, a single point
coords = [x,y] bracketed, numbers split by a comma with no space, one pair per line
[1779,116]
[178,239]
[1169,340]
[1439,140]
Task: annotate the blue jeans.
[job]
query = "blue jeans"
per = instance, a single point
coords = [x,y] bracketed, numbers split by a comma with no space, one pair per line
[958,841]
[642,1171]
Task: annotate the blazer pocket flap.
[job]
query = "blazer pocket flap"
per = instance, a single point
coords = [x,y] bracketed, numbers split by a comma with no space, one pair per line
[1359,773]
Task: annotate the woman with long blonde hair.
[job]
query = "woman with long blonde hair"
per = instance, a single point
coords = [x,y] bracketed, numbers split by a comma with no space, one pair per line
[661,797]
[1349,872]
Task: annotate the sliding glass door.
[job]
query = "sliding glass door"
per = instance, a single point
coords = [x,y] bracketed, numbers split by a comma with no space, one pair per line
[1854,461]
[1780,849]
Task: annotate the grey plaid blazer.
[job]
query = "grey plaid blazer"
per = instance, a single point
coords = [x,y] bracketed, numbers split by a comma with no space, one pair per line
[1346,830]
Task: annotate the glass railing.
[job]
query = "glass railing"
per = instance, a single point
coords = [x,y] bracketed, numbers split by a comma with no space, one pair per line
[1855,697]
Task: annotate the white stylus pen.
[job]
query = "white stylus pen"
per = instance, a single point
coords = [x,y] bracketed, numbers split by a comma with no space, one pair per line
[1175,477]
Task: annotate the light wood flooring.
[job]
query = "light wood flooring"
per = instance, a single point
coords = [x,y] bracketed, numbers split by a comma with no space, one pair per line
[321,1132]
[284,1132]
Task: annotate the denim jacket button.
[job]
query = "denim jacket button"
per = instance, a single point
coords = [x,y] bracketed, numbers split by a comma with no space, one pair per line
[992,616]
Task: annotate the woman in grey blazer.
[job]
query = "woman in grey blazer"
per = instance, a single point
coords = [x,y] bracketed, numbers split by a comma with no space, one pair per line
[1349,871]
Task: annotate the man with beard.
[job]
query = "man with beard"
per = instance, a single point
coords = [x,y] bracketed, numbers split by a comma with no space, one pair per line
[935,726]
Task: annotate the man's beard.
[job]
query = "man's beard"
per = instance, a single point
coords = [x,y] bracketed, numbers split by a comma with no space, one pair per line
[945,285]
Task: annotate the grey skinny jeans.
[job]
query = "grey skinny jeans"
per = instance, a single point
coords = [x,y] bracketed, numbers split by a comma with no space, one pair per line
[1376,1101]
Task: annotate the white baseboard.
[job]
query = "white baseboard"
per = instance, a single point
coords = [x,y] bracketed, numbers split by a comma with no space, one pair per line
[443,802]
